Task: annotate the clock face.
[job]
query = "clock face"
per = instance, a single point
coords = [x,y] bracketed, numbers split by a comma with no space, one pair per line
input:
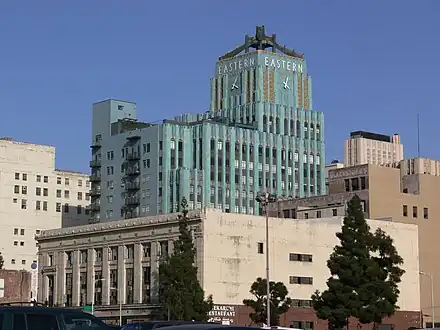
[286,88]
[234,83]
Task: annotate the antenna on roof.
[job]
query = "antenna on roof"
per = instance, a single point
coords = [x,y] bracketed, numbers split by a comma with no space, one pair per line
[418,136]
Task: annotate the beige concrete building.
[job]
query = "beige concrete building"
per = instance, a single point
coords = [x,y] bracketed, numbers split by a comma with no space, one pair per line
[230,255]
[34,197]
[372,148]
[407,194]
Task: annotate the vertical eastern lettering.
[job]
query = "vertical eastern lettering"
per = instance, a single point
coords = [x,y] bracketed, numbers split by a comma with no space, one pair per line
[300,68]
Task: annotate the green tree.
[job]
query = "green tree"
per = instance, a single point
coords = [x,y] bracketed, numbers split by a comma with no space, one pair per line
[181,294]
[380,293]
[364,274]
[280,303]
[1,261]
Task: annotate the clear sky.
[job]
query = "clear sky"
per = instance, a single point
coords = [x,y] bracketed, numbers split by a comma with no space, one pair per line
[374,63]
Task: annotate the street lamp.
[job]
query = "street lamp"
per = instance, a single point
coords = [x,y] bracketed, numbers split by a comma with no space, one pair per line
[431,279]
[265,199]
[120,305]
[93,295]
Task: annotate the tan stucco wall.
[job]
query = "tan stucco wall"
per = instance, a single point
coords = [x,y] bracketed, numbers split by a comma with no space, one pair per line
[232,263]
[386,200]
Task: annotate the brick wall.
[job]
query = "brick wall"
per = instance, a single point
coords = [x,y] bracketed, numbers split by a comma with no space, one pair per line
[16,285]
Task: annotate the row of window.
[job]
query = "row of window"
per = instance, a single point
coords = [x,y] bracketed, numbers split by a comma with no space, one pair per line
[415,212]
[45,178]
[17,230]
[23,262]
[45,192]
[42,206]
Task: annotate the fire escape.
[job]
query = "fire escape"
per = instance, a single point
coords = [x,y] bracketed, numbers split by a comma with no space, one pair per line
[132,179]
[95,181]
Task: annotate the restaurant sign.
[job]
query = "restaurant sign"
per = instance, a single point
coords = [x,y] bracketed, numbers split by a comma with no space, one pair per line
[224,314]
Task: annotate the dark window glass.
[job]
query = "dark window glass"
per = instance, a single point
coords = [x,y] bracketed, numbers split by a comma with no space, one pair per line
[19,322]
[42,322]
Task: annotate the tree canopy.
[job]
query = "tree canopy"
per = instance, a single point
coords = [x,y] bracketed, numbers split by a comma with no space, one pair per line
[365,274]
[181,294]
[280,303]
[2,262]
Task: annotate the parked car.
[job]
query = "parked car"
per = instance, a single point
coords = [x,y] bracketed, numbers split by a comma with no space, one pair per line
[150,325]
[19,316]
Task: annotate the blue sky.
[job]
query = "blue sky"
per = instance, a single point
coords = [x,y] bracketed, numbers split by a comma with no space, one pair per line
[374,63]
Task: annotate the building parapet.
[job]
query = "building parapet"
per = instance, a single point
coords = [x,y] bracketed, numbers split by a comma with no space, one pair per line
[112,225]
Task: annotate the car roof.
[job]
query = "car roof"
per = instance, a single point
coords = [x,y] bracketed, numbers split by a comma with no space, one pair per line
[205,326]
[40,309]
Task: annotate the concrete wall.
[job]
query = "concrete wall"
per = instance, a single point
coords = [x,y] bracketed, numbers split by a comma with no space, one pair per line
[232,262]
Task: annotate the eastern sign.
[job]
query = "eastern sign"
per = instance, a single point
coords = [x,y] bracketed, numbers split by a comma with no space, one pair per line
[272,62]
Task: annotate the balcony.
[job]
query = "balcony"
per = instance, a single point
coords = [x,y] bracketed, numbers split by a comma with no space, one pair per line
[133,156]
[95,163]
[131,215]
[132,170]
[95,178]
[96,206]
[94,219]
[95,192]
[96,144]
[132,186]
[132,201]
[134,135]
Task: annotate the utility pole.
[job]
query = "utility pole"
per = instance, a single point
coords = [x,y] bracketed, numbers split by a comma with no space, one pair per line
[264,199]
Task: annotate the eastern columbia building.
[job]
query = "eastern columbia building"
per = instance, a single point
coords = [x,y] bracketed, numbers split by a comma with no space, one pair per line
[261,133]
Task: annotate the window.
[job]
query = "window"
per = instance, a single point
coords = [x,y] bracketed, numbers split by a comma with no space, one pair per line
[15,243]
[45,179]
[58,193]
[38,191]
[80,183]
[66,208]
[16,189]
[38,205]
[38,178]
[58,207]
[260,247]
[12,262]
[23,262]
[24,177]
[425,213]
[42,322]
[66,194]
[15,231]
[335,212]
[414,211]
[66,181]
[58,180]
[17,176]
[21,243]
[45,192]
[78,209]
[19,322]
[44,206]
[21,231]
[80,196]
[405,210]
[300,257]
[24,190]
[300,280]
[80,321]
[23,204]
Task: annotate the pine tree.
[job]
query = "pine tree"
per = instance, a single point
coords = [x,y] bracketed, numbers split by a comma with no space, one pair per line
[347,265]
[280,302]
[180,292]
[364,272]
[1,261]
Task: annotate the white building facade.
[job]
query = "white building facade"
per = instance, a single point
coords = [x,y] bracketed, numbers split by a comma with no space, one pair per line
[372,148]
[33,197]
[118,261]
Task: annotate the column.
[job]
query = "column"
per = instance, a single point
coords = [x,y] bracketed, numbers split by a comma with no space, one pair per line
[138,274]
[60,267]
[121,274]
[75,279]
[154,273]
[42,279]
[105,276]
[90,275]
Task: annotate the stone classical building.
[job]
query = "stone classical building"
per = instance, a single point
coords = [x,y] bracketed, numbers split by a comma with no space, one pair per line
[403,194]
[118,261]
